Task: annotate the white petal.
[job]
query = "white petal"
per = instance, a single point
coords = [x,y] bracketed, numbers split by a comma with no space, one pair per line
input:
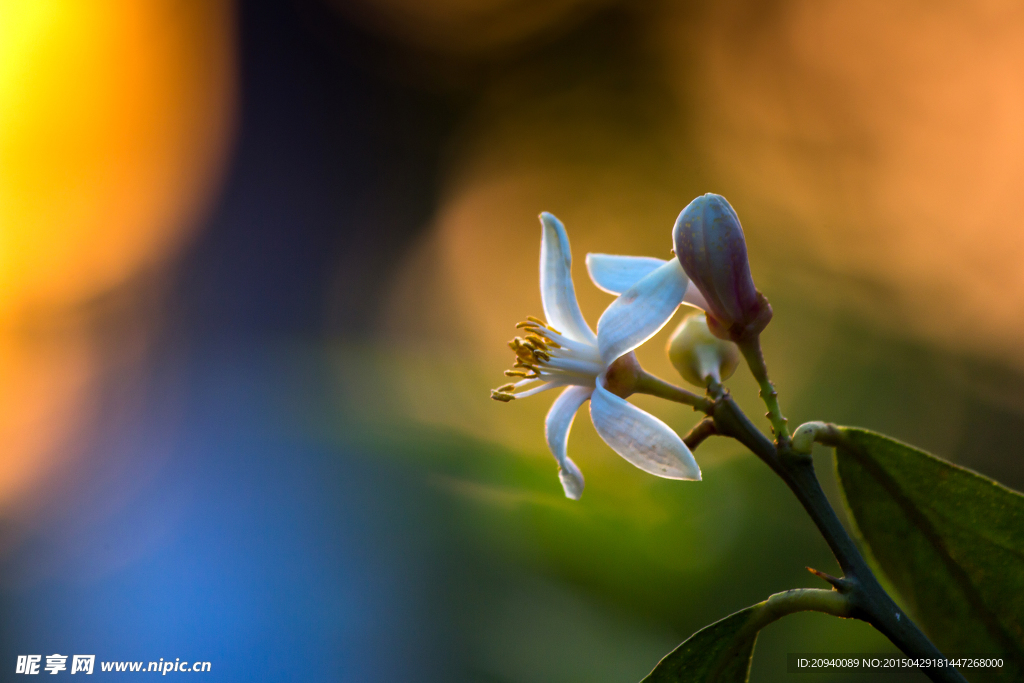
[641,311]
[641,438]
[556,291]
[572,479]
[616,274]
[556,431]
[694,297]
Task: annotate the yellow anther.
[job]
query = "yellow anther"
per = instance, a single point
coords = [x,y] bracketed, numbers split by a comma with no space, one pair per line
[537,332]
[516,373]
[542,356]
[501,396]
[506,388]
[527,324]
[538,341]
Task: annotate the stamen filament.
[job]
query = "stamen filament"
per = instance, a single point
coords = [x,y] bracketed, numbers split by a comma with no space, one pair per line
[542,323]
[544,355]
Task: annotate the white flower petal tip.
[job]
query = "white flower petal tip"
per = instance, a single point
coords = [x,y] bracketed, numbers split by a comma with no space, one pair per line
[556,432]
[616,274]
[641,311]
[641,438]
[572,479]
[556,289]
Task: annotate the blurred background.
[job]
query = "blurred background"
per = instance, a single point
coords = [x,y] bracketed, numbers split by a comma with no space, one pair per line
[259,262]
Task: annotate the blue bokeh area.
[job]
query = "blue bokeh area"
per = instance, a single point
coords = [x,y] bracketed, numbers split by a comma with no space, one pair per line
[270,558]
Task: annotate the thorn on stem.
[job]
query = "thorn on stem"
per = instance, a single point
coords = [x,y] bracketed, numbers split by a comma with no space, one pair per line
[837,583]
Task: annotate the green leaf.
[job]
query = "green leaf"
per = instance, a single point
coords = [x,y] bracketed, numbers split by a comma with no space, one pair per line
[719,653]
[948,539]
[723,651]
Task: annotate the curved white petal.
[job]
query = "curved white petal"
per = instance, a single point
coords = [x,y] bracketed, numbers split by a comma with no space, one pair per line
[616,274]
[694,297]
[641,311]
[556,431]
[641,438]
[556,290]
[572,479]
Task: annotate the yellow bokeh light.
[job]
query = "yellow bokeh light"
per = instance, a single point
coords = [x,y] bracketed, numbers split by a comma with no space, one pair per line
[114,119]
[111,114]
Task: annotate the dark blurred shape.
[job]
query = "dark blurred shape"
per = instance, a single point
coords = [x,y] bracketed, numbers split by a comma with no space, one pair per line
[334,175]
[466,28]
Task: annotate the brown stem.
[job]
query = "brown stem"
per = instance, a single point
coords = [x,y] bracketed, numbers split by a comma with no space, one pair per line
[700,432]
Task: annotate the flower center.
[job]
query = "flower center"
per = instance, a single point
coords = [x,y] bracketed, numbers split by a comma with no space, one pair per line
[546,358]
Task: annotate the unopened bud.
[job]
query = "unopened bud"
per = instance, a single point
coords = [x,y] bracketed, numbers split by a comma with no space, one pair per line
[697,354]
[710,245]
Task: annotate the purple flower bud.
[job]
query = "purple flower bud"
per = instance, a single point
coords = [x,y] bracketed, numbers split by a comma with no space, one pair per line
[709,244]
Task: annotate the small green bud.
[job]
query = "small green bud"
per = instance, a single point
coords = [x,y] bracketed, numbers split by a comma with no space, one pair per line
[697,354]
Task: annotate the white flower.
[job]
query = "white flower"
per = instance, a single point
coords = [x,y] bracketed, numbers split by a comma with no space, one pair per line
[564,352]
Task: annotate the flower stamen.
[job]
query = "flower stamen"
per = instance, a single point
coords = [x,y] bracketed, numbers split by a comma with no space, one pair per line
[544,354]
[542,324]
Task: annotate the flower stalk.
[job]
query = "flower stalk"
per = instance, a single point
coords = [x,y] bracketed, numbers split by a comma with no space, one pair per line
[649,384]
[751,350]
